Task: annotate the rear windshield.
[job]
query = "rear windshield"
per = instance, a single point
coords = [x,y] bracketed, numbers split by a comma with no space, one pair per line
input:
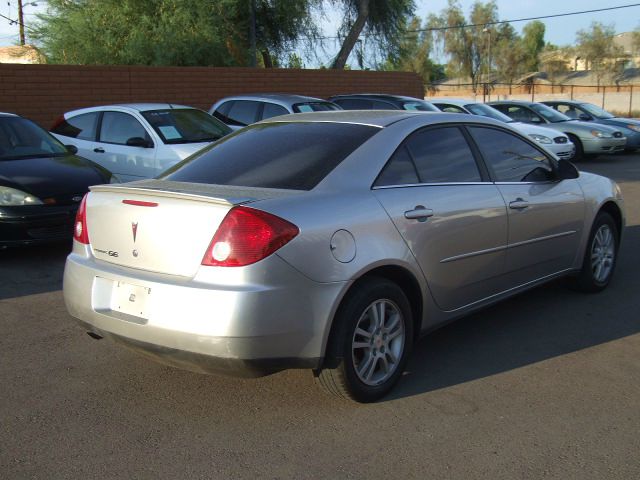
[185,125]
[314,107]
[295,156]
[419,106]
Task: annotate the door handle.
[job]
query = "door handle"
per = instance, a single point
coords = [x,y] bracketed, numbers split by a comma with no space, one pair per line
[518,204]
[419,213]
[98,150]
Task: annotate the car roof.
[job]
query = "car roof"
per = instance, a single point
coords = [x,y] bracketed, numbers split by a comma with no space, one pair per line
[378,118]
[461,102]
[379,96]
[7,114]
[137,107]
[288,98]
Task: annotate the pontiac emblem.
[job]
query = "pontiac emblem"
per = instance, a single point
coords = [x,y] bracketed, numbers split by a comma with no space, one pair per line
[134,229]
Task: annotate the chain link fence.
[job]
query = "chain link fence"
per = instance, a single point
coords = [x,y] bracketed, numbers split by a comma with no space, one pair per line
[622,100]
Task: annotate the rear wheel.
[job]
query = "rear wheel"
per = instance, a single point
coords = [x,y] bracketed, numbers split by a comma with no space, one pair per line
[600,257]
[372,341]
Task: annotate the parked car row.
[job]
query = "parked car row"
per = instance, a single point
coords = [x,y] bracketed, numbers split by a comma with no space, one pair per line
[138,141]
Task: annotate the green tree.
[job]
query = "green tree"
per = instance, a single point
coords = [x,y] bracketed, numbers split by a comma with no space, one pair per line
[168,32]
[596,45]
[412,54]
[382,20]
[468,48]
[532,44]
[509,54]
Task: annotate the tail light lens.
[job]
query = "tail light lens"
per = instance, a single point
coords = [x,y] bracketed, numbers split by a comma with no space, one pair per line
[80,232]
[246,236]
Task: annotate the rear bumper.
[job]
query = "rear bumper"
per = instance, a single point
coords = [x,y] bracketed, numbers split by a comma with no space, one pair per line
[246,329]
[36,224]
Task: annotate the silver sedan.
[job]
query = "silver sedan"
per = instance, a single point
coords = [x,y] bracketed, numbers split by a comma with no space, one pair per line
[332,241]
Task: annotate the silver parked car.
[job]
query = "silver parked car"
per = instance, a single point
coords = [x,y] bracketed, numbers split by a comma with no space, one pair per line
[241,110]
[332,241]
[138,140]
[589,139]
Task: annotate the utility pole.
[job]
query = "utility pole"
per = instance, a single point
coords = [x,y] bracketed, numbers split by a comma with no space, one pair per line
[252,33]
[21,22]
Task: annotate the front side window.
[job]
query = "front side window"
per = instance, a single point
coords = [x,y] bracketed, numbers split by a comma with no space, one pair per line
[118,127]
[510,158]
[81,126]
[523,114]
[295,156]
[185,125]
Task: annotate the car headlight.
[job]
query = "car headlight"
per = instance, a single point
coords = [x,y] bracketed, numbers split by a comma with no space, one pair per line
[541,139]
[631,126]
[13,197]
[601,134]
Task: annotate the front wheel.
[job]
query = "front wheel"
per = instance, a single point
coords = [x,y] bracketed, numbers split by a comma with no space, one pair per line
[601,255]
[371,343]
[579,153]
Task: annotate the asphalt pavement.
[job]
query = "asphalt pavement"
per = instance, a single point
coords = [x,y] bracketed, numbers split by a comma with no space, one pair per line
[545,385]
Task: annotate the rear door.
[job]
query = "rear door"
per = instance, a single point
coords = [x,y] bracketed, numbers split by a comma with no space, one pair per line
[451,216]
[79,130]
[545,214]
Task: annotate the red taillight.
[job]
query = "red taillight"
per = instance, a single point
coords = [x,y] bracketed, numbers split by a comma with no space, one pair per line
[246,236]
[80,232]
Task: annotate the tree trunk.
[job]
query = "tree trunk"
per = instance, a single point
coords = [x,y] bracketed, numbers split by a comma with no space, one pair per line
[352,36]
[266,58]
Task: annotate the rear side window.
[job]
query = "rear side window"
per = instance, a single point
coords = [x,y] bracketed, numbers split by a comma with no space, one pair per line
[511,158]
[273,110]
[442,155]
[295,156]
[243,112]
[379,105]
[81,126]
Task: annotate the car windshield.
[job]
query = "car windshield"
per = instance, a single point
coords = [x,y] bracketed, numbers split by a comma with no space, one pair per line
[295,156]
[314,107]
[21,138]
[596,111]
[185,125]
[416,105]
[487,111]
[548,113]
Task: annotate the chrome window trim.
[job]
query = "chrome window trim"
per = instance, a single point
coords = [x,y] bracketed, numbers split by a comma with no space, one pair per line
[449,184]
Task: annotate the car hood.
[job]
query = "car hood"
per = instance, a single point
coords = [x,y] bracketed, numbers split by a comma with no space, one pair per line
[619,122]
[52,177]
[579,127]
[183,150]
[529,129]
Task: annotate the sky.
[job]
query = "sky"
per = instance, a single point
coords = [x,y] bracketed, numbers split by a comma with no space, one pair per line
[560,31]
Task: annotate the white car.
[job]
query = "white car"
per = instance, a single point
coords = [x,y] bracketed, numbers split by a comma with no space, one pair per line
[138,141]
[555,142]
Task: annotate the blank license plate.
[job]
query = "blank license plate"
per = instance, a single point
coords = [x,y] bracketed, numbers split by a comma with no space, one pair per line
[130,299]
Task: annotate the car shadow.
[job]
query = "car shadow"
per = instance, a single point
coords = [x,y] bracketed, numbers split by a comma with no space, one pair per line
[32,270]
[540,324]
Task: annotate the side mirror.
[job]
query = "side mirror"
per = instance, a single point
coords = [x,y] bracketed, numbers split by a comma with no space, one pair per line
[139,142]
[567,170]
[72,149]
[584,117]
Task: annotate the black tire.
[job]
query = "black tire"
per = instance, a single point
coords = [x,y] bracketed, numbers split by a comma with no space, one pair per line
[345,363]
[579,155]
[589,279]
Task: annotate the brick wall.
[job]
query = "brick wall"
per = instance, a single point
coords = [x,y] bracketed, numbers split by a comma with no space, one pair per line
[43,92]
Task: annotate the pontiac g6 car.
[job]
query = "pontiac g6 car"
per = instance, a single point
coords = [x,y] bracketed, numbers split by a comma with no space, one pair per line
[331,241]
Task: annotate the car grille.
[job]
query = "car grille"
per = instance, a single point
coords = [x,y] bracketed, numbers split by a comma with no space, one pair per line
[560,139]
[617,134]
[565,155]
